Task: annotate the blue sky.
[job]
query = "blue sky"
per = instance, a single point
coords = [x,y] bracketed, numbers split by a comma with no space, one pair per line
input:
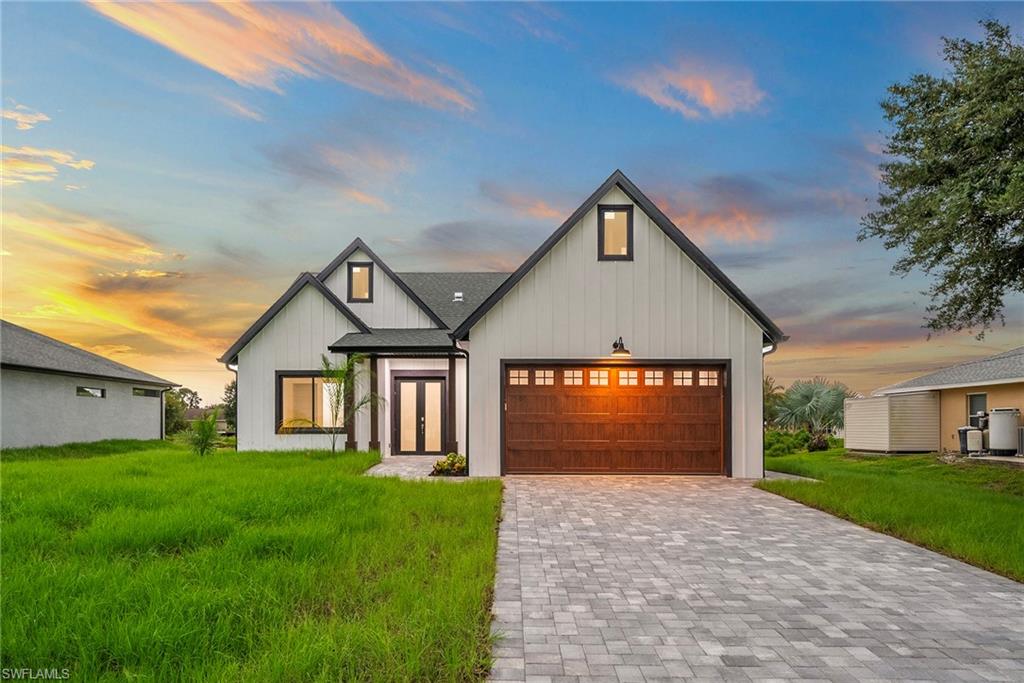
[191,161]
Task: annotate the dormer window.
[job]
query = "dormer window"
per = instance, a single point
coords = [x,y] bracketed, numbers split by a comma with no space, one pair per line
[360,282]
[615,233]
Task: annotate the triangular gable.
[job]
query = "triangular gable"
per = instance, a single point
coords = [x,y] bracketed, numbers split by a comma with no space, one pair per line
[360,245]
[619,179]
[231,355]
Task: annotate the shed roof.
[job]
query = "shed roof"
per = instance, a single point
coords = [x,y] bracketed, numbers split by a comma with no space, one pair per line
[1001,368]
[23,349]
[395,339]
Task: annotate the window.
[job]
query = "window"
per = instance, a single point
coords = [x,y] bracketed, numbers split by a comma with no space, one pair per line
[544,377]
[91,392]
[682,378]
[519,377]
[599,378]
[304,404]
[151,393]
[976,403]
[708,378]
[627,378]
[615,233]
[360,282]
[573,377]
[653,378]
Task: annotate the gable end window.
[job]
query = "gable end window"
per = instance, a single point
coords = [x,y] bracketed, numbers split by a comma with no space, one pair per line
[91,392]
[615,233]
[360,282]
[149,393]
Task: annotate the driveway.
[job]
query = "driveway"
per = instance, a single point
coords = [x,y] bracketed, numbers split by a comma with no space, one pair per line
[645,578]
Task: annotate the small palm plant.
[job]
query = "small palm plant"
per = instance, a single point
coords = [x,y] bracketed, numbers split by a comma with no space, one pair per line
[772,393]
[202,434]
[815,405]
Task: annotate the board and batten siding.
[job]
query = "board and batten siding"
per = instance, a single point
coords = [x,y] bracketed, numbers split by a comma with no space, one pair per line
[294,340]
[572,306]
[894,423]
[390,308]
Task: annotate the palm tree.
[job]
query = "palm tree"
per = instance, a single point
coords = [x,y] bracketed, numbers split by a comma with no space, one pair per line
[815,405]
[772,394]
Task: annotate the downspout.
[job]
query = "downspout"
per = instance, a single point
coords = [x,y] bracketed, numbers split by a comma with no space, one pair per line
[770,348]
[234,369]
[163,413]
[465,354]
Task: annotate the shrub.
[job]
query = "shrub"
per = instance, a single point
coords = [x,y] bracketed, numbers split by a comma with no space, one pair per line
[202,434]
[452,465]
[777,442]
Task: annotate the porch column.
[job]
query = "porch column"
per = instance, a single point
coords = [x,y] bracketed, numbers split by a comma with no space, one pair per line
[453,442]
[374,406]
[350,423]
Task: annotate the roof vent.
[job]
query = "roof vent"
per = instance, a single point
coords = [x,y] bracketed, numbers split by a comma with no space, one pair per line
[457,297]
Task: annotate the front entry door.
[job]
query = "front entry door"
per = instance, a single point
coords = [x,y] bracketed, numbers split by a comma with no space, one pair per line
[419,416]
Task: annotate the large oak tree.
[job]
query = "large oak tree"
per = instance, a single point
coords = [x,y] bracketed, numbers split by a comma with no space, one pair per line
[953,195]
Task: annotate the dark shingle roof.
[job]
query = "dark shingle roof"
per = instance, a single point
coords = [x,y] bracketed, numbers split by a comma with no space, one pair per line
[395,339]
[437,290]
[23,348]
[1004,366]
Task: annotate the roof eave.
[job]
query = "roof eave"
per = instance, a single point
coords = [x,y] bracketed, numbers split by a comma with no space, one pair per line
[885,391]
[153,380]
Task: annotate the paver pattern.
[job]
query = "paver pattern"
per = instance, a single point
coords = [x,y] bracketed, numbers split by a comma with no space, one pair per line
[404,466]
[657,578]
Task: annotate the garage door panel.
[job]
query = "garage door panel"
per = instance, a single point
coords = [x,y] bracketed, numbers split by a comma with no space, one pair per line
[644,420]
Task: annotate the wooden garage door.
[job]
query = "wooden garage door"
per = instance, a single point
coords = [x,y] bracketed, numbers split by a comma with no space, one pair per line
[614,419]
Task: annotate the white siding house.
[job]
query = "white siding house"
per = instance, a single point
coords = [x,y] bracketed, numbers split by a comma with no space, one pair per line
[517,370]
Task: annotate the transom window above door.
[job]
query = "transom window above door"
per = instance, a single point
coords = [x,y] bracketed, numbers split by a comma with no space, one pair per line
[360,282]
[615,233]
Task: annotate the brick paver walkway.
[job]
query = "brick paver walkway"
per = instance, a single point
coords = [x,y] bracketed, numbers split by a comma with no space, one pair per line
[646,578]
[405,467]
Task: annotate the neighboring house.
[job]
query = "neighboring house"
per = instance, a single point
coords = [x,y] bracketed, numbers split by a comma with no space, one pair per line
[193,414]
[923,413]
[518,371]
[53,393]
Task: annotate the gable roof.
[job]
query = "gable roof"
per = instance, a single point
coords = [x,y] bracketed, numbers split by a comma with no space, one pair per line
[359,245]
[1002,368]
[619,179]
[231,355]
[23,349]
[438,289]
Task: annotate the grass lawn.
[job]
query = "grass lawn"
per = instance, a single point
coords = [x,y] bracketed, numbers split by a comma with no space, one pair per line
[139,560]
[973,511]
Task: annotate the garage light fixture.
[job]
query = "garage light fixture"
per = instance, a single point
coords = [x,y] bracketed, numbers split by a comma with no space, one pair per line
[619,349]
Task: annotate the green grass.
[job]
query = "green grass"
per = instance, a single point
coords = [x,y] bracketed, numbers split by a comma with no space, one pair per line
[971,510]
[142,561]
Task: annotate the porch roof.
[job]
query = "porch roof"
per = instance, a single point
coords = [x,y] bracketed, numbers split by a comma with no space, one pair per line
[401,340]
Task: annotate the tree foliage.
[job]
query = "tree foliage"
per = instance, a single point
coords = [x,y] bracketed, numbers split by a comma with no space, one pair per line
[815,405]
[230,404]
[189,397]
[174,413]
[772,394]
[953,196]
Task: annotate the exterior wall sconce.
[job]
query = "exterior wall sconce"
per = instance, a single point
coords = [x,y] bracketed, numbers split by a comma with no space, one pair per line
[619,349]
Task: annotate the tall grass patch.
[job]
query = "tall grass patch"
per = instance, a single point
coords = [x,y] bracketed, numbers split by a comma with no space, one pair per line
[157,564]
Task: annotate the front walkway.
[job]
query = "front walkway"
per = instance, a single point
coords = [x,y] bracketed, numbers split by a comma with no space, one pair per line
[404,466]
[643,578]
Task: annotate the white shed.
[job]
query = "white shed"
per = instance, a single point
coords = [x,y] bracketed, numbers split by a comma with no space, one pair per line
[904,423]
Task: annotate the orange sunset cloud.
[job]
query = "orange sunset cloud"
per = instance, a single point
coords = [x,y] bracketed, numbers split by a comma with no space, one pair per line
[23,117]
[32,164]
[261,45]
[694,89]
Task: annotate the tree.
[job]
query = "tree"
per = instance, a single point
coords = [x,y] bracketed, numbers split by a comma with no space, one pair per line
[174,413]
[815,405]
[954,188]
[230,401]
[189,397]
[202,433]
[772,394]
[337,379]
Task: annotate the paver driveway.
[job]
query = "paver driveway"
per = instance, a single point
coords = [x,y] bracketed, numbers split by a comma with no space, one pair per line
[641,578]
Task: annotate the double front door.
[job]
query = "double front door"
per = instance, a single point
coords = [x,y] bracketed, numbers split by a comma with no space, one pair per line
[418,415]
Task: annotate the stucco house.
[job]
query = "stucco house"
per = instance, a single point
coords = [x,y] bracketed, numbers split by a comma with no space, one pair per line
[52,393]
[618,346]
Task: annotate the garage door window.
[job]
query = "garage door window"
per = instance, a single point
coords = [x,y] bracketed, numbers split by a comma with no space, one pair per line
[682,378]
[653,378]
[599,378]
[573,377]
[518,377]
[627,378]
[709,378]
[545,377]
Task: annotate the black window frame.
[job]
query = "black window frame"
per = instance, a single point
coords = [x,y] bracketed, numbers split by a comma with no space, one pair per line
[143,392]
[628,209]
[369,290]
[83,391]
[279,427]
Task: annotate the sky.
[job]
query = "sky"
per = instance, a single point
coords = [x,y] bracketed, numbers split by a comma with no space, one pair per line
[170,168]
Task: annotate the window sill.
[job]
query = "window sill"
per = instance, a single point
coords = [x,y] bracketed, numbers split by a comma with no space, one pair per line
[307,430]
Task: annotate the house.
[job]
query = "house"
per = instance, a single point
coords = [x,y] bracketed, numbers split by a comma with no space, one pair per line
[53,393]
[617,347]
[935,405]
[193,414]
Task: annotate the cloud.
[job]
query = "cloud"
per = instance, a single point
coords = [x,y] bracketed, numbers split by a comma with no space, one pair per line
[24,117]
[472,245]
[523,204]
[237,108]
[694,89]
[32,164]
[263,45]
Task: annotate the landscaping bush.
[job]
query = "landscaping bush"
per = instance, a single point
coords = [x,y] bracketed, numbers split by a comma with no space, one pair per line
[778,442]
[452,465]
[202,434]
